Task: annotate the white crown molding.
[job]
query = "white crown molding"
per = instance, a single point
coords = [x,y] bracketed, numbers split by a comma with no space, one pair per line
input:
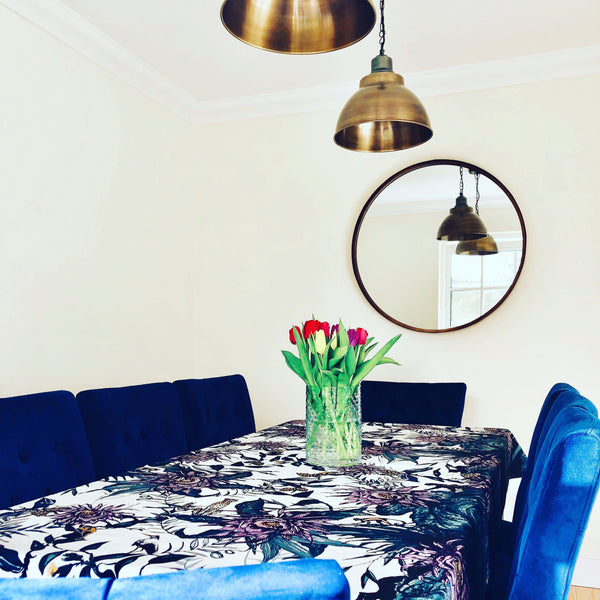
[69,27]
[436,82]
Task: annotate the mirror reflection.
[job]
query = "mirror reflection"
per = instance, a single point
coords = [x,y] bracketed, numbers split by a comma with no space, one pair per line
[439,246]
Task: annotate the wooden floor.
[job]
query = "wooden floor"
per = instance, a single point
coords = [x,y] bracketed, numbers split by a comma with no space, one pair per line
[581,593]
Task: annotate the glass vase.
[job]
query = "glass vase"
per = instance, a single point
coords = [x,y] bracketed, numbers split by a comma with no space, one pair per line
[333,426]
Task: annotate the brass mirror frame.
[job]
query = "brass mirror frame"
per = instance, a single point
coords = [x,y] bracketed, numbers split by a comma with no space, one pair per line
[392,179]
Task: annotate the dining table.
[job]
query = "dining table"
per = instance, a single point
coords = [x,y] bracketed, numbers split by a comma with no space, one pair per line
[415,518]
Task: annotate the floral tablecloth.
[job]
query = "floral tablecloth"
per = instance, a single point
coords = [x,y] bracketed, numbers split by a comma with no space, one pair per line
[413,520]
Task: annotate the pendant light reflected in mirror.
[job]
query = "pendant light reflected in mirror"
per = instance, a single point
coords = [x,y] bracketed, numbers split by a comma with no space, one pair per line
[478,247]
[481,246]
[383,115]
[298,26]
[462,223]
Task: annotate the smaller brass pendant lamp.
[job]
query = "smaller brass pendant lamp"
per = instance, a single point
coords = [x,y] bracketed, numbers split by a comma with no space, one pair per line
[462,223]
[481,246]
[298,26]
[383,115]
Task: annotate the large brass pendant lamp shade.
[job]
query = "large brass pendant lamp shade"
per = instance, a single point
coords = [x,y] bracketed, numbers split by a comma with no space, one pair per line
[298,26]
[462,223]
[383,115]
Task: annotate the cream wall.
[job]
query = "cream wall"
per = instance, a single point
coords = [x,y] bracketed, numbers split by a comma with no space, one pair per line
[398,258]
[97,185]
[135,247]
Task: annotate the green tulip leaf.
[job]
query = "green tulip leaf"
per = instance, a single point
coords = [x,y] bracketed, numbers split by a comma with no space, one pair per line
[343,335]
[368,347]
[304,358]
[337,355]
[386,360]
[295,364]
[350,362]
[368,366]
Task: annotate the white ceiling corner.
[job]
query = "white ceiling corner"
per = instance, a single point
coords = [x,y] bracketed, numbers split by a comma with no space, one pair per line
[71,28]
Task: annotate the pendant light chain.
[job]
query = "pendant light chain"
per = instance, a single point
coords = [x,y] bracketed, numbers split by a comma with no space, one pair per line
[381,29]
[477,193]
[461,187]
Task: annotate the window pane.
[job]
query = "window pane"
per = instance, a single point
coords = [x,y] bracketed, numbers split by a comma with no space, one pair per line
[499,269]
[464,307]
[491,298]
[466,271]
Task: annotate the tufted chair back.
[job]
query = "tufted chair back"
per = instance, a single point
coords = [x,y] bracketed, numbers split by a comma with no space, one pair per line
[215,409]
[43,448]
[415,403]
[128,427]
[564,482]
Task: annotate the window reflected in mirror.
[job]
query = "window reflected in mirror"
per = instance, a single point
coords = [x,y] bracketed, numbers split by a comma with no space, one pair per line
[419,281]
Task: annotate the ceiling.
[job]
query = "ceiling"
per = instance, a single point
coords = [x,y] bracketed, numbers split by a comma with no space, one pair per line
[433,189]
[178,52]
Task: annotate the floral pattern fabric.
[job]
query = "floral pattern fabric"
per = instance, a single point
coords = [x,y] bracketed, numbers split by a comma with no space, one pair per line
[413,520]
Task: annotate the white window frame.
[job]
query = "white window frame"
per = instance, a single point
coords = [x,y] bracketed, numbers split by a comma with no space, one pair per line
[506,241]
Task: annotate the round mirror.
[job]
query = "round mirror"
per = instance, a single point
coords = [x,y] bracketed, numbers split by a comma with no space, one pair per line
[431,277]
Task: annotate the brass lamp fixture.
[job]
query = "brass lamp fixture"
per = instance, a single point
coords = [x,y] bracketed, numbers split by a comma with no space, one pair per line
[383,115]
[481,246]
[298,26]
[462,223]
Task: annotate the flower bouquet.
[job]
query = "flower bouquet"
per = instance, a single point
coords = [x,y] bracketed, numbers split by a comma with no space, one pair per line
[332,361]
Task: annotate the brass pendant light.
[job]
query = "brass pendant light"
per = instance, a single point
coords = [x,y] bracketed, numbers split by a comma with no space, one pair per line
[481,246]
[462,223]
[383,115]
[298,26]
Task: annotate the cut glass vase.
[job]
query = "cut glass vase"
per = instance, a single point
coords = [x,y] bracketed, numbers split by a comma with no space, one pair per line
[333,426]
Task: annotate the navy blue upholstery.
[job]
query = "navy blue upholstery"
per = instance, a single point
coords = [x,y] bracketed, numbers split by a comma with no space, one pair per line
[306,579]
[564,481]
[215,409]
[43,448]
[416,403]
[132,426]
[559,396]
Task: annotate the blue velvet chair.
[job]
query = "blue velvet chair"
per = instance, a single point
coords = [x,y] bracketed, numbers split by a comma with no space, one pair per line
[416,403]
[43,448]
[60,588]
[564,481]
[128,427]
[306,579]
[215,409]
[559,396]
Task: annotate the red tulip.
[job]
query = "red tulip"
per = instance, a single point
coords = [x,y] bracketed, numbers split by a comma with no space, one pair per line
[325,328]
[298,332]
[362,336]
[311,327]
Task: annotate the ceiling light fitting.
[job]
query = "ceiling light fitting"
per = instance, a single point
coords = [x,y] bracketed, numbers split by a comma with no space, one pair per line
[481,246]
[462,223]
[298,26]
[383,115]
